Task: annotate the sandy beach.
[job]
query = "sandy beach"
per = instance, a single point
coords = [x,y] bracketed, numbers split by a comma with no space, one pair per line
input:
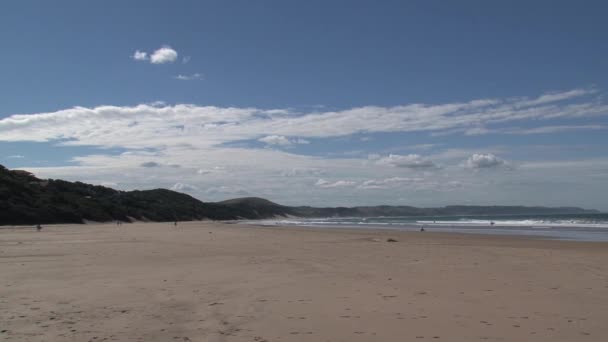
[206,281]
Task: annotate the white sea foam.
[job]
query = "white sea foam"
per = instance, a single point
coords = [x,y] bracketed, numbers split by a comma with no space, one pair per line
[519,223]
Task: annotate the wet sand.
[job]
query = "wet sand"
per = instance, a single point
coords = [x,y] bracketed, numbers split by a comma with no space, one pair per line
[220,282]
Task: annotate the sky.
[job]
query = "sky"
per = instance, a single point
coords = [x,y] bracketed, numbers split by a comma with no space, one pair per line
[323,103]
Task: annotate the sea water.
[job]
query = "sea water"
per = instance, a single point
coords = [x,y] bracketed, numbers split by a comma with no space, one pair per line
[582,227]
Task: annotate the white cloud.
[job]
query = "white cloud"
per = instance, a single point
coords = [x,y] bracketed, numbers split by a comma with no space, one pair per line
[302,172]
[181,187]
[412,161]
[216,169]
[198,138]
[191,77]
[140,55]
[534,130]
[207,125]
[322,183]
[387,183]
[186,59]
[556,97]
[280,140]
[16,156]
[165,54]
[276,140]
[229,190]
[484,161]
[557,129]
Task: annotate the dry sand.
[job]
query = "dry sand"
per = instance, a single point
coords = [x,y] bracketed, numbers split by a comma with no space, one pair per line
[220,282]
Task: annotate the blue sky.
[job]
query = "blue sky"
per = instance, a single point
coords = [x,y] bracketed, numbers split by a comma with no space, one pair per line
[319,102]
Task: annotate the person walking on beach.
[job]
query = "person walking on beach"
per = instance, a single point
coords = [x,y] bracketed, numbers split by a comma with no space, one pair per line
[38,227]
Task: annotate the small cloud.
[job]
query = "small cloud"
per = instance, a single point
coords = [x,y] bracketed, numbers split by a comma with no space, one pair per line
[302,172]
[276,140]
[217,169]
[387,182]
[16,156]
[186,59]
[192,77]
[412,161]
[280,140]
[230,190]
[150,164]
[483,161]
[322,183]
[140,55]
[157,104]
[181,187]
[165,54]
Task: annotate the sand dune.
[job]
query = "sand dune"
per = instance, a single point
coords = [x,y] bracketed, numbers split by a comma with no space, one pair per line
[219,282]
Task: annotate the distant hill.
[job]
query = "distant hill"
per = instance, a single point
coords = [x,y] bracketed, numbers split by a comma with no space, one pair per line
[25,199]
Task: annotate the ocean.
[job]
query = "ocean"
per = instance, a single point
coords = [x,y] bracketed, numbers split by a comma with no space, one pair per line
[580,227]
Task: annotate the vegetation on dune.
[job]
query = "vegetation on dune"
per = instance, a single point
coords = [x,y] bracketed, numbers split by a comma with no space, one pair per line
[25,199]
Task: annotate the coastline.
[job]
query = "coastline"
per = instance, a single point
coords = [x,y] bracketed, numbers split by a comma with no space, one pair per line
[584,234]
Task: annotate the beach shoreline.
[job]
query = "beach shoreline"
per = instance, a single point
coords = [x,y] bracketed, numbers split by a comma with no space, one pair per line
[213,281]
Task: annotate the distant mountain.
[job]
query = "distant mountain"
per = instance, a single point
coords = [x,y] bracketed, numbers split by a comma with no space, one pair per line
[25,199]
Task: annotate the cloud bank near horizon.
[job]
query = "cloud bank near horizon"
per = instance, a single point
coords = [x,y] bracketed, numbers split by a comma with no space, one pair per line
[169,145]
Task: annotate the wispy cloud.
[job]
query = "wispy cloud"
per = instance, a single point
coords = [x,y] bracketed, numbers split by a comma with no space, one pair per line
[387,182]
[181,187]
[279,140]
[535,130]
[412,161]
[322,183]
[207,125]
[191,77]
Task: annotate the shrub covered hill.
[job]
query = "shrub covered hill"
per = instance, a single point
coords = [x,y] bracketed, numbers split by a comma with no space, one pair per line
[25,199]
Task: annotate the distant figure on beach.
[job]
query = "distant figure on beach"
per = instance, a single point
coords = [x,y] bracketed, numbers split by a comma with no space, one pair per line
[175,223]
[491,223]
[422,228]
[38,227]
